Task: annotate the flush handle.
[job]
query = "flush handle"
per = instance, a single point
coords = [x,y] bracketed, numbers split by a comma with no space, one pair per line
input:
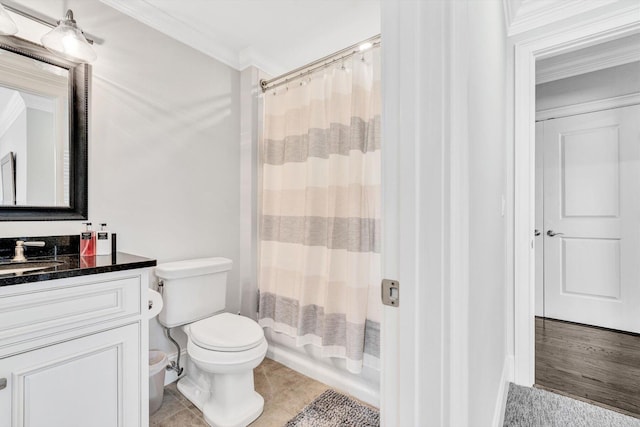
[391,292]
[3,383]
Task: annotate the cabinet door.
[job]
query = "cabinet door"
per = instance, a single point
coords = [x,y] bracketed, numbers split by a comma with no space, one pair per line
[93,381]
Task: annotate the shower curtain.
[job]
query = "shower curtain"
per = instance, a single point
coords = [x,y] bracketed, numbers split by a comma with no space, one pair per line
[319,274]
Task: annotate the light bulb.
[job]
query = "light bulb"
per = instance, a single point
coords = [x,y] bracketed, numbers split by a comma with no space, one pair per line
[68,41]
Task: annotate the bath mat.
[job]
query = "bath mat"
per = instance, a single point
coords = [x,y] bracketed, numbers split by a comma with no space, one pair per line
[332,409]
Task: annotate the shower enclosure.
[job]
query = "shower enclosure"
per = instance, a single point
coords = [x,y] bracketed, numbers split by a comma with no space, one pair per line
[318,242]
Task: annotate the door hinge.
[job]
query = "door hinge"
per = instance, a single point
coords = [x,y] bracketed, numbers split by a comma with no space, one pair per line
[391,292]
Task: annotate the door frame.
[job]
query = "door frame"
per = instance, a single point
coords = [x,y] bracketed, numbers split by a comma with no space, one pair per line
[623,20]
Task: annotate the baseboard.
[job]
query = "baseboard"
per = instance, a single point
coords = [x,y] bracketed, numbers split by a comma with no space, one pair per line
[340,380]
[503,389]
[172,376]
[343,381]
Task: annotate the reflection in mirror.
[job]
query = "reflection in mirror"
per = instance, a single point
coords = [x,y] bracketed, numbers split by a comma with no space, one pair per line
[43,124]
[34,126]
[8,179]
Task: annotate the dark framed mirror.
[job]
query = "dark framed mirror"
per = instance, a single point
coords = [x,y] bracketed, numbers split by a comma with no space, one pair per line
[44,101]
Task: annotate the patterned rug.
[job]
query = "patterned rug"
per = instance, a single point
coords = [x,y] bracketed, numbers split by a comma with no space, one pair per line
[527,406]
[332,409]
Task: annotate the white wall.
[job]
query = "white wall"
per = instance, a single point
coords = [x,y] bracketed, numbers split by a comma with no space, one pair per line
[486,122]
[163,145]
[444,122]
[41,158]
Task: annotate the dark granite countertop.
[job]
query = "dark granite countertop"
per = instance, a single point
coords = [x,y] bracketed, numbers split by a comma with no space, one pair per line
[74,265]
[65,251]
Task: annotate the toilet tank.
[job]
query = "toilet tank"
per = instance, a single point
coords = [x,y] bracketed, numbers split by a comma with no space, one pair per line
[192,289]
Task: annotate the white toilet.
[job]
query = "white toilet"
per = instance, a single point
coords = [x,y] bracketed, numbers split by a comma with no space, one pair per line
[223,348]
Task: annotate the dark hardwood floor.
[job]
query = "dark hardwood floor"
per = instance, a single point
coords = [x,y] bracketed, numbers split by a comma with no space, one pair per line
[589,363]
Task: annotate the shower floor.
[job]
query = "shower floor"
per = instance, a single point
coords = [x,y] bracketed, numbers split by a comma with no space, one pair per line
[285,393]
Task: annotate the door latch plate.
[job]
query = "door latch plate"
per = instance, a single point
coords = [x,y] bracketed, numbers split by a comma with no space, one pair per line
[391,292]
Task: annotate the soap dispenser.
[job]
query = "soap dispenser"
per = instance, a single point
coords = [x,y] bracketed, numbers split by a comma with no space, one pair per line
[87,241]
[103,242]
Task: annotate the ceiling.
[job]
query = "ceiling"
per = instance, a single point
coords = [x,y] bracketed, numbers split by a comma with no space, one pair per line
[273,35]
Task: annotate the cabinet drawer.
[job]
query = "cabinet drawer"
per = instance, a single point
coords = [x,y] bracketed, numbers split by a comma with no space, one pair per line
[33,314]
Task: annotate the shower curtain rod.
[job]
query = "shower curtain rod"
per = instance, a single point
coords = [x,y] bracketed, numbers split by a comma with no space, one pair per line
[319,64]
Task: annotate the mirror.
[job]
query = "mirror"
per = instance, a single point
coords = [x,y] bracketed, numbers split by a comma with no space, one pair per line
[43,129]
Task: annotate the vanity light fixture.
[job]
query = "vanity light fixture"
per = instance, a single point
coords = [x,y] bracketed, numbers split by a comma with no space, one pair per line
[68,41]
[7,26]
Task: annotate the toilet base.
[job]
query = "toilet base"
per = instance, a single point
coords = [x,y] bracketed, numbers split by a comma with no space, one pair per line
[220,411]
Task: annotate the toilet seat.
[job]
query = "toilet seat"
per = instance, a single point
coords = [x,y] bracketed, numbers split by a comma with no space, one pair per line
[226,332]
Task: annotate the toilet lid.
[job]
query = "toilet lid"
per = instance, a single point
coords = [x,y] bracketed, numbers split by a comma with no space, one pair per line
[226,332]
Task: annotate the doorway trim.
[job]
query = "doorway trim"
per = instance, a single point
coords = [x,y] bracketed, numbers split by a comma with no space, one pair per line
[619,21]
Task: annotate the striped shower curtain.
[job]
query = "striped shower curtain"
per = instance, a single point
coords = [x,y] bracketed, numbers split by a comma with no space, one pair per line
[319,268]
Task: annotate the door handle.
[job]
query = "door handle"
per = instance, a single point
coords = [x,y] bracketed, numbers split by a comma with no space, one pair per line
[551,233]
[536,232]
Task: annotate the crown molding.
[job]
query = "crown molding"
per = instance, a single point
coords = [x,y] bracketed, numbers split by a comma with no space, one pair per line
[522,16]
[260,44]
[242,39]
[155,18]
[589,107]
[587,60]
[250,58]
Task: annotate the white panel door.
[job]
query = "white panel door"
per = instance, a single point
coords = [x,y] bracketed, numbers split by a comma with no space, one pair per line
[91,381]
[592,218]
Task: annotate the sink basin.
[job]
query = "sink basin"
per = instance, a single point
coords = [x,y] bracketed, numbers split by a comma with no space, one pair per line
[25,266]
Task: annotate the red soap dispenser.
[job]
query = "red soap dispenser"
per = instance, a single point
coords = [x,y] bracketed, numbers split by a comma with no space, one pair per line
[88,241]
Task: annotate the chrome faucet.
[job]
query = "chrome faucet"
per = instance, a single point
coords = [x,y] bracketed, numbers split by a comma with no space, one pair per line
[21,246]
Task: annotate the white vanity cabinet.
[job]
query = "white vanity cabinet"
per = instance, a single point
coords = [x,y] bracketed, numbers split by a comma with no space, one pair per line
[74,352]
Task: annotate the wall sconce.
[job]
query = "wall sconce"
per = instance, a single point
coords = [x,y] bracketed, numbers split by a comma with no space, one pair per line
[66,39]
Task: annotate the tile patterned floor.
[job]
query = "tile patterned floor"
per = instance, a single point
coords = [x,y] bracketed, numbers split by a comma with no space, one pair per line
[285,393]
